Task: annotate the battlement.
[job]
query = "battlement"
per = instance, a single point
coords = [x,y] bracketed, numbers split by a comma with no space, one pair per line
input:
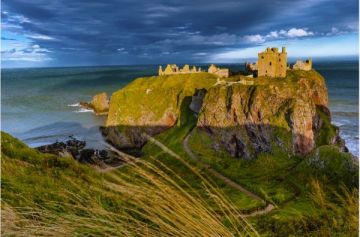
[221,72]
[172,69]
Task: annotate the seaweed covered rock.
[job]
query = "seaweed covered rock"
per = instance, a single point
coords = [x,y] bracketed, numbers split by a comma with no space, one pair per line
[249,118]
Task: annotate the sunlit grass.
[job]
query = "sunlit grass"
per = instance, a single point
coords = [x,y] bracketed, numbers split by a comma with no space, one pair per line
[146,200]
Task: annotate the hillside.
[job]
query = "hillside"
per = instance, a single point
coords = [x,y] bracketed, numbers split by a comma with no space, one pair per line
[45,195]
[151,104]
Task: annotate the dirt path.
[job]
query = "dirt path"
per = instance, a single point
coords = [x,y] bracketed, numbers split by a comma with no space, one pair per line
[226,180]
[218,175]
[215,173]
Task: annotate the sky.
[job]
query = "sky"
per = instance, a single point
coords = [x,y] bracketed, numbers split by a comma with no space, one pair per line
[40,33]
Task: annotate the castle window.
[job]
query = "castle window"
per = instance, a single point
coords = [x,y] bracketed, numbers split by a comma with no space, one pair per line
[279,59]
[270,64]
[262,57]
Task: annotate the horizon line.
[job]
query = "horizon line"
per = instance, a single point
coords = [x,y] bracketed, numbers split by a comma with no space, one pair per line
[241,61]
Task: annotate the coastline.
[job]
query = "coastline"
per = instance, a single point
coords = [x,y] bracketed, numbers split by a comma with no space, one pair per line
[37,119]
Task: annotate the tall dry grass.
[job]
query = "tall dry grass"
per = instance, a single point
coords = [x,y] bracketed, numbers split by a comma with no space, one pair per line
[156,202]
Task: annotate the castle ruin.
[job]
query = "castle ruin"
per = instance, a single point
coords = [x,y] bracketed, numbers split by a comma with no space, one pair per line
[301,65]
[272,63]
[220,72]
[172,69]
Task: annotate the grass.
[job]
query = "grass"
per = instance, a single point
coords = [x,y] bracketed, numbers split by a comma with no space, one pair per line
[258,175]
[290,183]
[52,196]
[146,97]
[173,139]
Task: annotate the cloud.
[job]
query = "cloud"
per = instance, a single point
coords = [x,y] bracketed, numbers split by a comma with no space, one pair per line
[33,53]
[294,32]
[5,38]
[254,38]
[88,32]
[200,54]
[40,37]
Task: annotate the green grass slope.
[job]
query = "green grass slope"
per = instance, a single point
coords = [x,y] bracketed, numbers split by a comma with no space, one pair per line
[315,195]
[44,195]
[146,100]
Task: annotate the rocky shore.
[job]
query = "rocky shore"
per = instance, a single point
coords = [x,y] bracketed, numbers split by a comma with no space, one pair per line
[77,150]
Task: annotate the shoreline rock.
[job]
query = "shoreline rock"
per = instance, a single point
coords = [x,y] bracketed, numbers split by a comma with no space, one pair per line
[99,103]
[77,150]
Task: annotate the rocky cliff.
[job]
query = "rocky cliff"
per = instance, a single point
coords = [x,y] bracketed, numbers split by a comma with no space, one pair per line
[289,113]
[245,116]
[151,105]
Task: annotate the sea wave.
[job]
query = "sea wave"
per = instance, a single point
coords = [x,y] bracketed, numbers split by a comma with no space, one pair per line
[345,114]
[83,110]
[74,105]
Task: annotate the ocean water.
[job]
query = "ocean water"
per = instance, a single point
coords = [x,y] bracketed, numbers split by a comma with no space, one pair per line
[39,105]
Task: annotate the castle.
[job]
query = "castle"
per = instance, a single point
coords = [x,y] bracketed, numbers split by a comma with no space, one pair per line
[172,69]
[270,63]
[273,63]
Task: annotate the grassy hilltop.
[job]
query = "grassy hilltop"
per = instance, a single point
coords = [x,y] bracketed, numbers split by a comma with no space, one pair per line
[169,193]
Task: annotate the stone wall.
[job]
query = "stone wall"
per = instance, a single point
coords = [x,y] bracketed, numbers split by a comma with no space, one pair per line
[303,65]
[220,72]
[172,69]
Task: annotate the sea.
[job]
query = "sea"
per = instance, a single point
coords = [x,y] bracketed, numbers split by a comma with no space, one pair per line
[41,105]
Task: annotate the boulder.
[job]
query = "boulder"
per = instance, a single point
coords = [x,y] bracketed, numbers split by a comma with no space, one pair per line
[99,103]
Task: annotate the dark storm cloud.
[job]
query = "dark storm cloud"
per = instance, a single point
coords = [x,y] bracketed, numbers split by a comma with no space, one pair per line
[127,31]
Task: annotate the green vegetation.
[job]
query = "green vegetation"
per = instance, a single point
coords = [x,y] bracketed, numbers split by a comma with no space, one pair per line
[44,195]
[295,184]
[328,130]
[150,98]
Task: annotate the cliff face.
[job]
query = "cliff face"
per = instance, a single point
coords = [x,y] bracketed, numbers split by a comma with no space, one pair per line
[249,119]
[245,116]
[150,105]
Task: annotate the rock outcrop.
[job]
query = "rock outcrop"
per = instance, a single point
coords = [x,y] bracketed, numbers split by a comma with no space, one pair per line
[245,119]
[77,150]
[250,119]
[150,105]
[99,103]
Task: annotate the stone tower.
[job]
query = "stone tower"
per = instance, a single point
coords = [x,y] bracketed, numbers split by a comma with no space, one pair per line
[272,63]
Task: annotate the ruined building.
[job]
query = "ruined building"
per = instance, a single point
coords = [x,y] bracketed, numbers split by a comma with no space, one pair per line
[301,65]
[251,68]
[272,63]
[174,69]
[220,72]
